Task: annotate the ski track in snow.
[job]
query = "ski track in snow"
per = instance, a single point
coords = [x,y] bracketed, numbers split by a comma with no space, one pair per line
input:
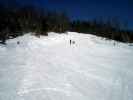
[49,68]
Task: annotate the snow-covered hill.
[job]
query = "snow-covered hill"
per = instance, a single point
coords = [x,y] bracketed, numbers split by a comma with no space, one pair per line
[49,68]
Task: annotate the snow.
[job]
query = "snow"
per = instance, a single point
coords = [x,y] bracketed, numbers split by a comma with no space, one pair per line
[49,68]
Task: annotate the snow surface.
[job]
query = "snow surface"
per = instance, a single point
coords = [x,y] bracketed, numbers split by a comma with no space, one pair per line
[49,68]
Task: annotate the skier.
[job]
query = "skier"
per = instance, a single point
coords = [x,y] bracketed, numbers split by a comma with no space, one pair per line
[70,42]
[73,42]
[18,42]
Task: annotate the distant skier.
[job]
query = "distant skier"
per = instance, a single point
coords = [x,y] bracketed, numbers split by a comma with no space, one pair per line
[70,42]
[18,42]
[73,42]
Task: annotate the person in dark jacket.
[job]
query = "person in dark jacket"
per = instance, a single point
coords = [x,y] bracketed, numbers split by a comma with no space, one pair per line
[70,42]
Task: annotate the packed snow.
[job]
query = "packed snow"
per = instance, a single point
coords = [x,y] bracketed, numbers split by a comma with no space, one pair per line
[50,68]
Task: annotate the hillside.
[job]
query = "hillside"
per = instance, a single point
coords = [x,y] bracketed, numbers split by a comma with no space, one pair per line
[49,68]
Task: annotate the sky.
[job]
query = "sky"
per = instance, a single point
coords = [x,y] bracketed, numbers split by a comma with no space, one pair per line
[88,9]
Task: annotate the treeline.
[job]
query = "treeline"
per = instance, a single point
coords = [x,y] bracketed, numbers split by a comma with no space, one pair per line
[111,29]
[20,20]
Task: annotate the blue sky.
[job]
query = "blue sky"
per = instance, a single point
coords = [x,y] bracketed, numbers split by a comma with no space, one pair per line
[89,9]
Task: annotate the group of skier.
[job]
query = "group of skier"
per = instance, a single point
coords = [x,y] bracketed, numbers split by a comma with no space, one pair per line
[72,42]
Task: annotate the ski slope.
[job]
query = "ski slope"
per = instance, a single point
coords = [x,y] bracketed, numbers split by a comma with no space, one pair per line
[49,68]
